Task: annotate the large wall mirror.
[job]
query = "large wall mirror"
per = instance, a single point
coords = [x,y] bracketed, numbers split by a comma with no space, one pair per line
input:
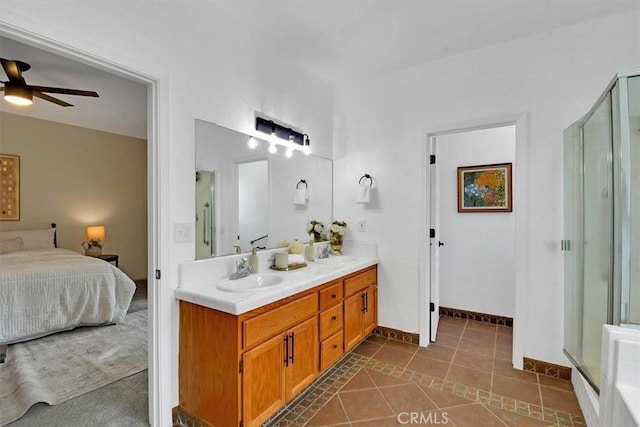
[245,197]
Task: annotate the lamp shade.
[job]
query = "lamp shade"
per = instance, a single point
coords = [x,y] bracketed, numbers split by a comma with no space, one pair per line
[95,233]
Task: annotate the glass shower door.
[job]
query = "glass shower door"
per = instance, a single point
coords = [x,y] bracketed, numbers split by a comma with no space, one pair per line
[597,243]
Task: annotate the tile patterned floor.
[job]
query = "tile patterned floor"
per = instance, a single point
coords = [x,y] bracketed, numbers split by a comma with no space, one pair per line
[465,379]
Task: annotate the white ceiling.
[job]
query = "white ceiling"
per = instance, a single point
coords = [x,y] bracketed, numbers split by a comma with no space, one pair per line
[335,40]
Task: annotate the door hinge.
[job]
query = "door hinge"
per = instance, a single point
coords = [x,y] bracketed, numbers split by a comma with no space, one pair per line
[432,307]
[432,159]
[158,274]
[240,366]
[432,233]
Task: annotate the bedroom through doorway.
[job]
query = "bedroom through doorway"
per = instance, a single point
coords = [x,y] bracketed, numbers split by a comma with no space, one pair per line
[82,166]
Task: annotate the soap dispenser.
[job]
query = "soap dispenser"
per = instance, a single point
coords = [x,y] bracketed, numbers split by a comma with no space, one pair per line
[253,261]
[310,253]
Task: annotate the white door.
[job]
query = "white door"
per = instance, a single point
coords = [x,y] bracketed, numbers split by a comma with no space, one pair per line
[475,270]
[434,242]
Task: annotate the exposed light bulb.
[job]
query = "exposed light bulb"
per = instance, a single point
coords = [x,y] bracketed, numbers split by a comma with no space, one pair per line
[306,150]
[272,148]
[289,153]
[252,143]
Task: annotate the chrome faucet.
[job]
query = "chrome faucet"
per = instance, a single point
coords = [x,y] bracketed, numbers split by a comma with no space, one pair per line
[242,269]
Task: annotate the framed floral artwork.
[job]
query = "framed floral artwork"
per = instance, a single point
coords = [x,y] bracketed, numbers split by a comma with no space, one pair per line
[485,188]
[9,187]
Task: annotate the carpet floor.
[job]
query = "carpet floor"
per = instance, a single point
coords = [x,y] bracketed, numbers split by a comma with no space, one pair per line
[60,367]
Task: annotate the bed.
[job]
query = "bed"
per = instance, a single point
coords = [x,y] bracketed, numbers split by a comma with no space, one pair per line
[45,289]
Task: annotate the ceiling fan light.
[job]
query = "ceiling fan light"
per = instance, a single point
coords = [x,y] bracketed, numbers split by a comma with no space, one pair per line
[18,95]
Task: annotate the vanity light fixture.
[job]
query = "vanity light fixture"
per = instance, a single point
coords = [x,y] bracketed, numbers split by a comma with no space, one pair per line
[252,143]
[282,135]
[306,149]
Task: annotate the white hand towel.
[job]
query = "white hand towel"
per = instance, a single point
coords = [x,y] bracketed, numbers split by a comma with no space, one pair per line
[296,259]
[301,197]
[363,193]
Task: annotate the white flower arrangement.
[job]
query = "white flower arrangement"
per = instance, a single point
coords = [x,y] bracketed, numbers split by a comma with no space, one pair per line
[315,226]
[338,227]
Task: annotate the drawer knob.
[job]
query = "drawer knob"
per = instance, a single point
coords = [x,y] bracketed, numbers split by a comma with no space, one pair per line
[334,317]
[335,346]
[333,296]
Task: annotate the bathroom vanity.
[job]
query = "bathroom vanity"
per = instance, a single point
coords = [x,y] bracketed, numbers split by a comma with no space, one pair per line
[243,356]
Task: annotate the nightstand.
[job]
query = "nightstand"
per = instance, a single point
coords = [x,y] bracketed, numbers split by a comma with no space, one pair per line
[109,258]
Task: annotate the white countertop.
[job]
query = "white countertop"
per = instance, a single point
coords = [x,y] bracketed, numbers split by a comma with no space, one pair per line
[199,280]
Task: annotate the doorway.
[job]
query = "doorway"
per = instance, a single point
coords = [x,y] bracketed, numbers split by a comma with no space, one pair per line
[157,185]
[472,263]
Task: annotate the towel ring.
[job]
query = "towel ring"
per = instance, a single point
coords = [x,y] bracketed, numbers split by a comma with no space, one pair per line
[366,176]
[302,181]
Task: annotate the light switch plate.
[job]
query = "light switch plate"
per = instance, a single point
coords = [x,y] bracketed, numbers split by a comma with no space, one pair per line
[182,233]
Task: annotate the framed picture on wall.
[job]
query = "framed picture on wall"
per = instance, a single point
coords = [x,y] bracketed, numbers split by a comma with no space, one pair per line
[9,187]
[485,188]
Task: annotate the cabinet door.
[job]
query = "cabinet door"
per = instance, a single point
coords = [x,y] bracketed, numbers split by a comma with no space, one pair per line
[352,320]
[370,314]
[263,381]
[302,354]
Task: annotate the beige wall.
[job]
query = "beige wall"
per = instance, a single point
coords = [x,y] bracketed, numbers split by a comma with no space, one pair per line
[77,177]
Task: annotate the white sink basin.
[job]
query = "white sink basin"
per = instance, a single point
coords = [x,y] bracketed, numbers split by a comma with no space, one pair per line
[252,283]
[336,260]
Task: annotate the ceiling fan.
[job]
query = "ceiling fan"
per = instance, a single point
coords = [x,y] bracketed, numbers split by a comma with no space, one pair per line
[18,92]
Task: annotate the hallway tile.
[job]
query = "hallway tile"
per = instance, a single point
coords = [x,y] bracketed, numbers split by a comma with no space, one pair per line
[516,389]
[506,369]
[437,351]
[367,348]
[332,413]
[564,401]
[407,398]
[429,366]
[444,399]
[470,377]
[473,360]
[365,404]
[382,380]
[391,355]
[447,340]
[473,415]
[484,348]
[467,378]
[360,381]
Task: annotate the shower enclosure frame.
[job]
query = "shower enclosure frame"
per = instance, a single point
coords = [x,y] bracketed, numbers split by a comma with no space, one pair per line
[618,195]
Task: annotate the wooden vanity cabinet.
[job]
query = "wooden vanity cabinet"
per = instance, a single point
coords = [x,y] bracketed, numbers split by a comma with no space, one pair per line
[277,370]
[331,321]
[360,306]
[238,370]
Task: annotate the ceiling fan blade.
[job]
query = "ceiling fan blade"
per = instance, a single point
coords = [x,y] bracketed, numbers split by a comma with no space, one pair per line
[51,99]
[13,70]
[65,91]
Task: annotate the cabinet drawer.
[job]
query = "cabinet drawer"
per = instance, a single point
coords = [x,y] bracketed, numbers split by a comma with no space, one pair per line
[330,321]
[330,350]
[264,326]
[360,281]
[331,295]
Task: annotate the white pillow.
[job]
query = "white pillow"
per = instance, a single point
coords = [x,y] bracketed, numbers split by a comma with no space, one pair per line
[10,245]
[32,239]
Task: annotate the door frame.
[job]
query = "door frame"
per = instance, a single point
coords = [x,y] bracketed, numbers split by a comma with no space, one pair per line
[158,207]
[520,208]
